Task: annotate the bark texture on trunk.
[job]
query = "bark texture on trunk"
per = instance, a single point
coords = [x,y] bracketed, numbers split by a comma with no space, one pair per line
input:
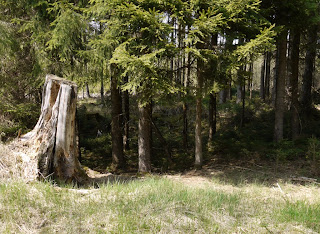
[280,88]
[102,89]
[126,120]
[306,99]
[250,81]
[185,125]
[144,146]
[212,116]
[240,84]
[294,80]
[88,90]
[198,126]
[239,93]
[262,78]
[54,136]
[267,76]
[116,133]
[275,77]
[223,96]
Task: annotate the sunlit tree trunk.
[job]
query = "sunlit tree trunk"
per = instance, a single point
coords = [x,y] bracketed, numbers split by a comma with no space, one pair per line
[198,124]
[144,146]
[262,78]
[116,112]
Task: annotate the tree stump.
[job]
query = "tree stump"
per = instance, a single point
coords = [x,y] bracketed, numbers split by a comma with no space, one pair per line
[54,138]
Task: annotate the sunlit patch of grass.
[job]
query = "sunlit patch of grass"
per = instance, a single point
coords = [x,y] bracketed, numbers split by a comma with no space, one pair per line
[153,205]
[302,212]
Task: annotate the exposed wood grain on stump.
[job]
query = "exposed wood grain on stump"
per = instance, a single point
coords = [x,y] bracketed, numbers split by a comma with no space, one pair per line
[54,136]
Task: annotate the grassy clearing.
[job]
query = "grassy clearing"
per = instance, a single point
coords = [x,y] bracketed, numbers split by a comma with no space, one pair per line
[156,205]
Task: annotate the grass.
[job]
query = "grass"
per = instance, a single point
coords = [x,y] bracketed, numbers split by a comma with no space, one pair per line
[158,204]
[302,212]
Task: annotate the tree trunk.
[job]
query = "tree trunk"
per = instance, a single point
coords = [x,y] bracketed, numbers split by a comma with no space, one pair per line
[88,91]
[116,112]
[102,87]
[275,77]
[198,127]
[240,82]
[185,125]
[280,88]
[295,51]
[144,147]
[262,78]
[243,105]
[229,93]
[267,76]
[212,116]
[185,105]
[250,81]
[306,99]
[126,105]
[54,136]
[212,95]
[223,96]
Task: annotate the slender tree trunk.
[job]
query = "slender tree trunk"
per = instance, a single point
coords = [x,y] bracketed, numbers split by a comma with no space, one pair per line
[239,93]
[102,86]
[212,95]
[295,51]
[239,87]
[240,80]
[116,112]
[262,78]
[198,127]
[267,76]
[275,77]
[102,66]
[223,96]
[185,125]
[150,107]
[280,88]
[126,119]
[144,147]
[212,116]
[88,91]
[250,81]
[185,105]
[243,105]
[229,93]
[306,99]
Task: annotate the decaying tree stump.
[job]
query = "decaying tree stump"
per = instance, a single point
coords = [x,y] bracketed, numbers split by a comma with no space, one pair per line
[54,138]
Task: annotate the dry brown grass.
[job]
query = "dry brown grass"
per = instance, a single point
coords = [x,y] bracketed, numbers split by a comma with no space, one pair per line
[16,161]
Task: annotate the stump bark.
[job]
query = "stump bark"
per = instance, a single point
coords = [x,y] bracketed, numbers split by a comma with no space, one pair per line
[54,137]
